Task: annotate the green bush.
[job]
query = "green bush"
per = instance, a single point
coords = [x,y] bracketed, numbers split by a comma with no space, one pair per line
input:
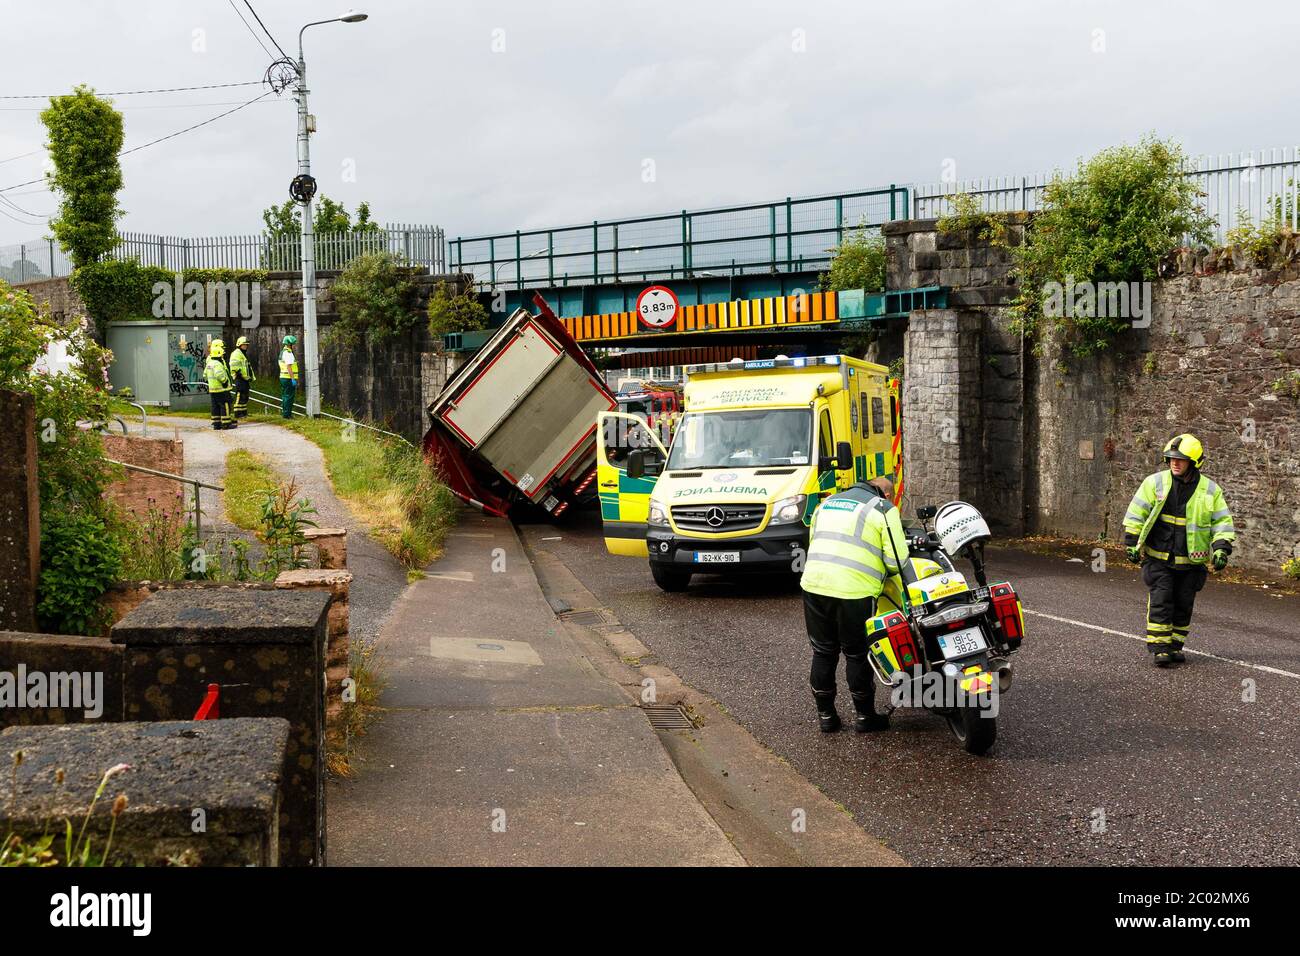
[116,289]
[1123,210]
[859,263]
[452,311]
[80,557]
[84,137]
[375,296]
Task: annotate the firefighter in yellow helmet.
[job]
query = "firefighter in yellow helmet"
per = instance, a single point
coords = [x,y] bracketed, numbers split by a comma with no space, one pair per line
[241,371]
[856,542]
[218,378]
[1176,525]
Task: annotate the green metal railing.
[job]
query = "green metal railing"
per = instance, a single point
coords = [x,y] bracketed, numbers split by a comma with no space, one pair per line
[789,235]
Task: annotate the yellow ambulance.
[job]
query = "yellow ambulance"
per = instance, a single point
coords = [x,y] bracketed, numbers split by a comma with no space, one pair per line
[760,444]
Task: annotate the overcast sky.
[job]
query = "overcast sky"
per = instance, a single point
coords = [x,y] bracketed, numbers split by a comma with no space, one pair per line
[491,116]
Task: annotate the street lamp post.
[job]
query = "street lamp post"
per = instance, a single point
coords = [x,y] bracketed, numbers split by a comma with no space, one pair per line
[310,347]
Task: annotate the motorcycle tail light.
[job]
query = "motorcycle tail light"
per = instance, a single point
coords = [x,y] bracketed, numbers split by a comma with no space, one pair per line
[1007,609]
[893,649]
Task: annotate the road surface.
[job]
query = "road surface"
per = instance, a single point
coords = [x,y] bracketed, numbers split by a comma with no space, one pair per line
[1101,759]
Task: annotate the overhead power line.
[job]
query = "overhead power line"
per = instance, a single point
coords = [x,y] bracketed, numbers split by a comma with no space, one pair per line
[264,29]
[160,139]
[172,89]
[250,29]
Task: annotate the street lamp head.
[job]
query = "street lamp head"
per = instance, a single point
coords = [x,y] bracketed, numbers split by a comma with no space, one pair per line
[353,17]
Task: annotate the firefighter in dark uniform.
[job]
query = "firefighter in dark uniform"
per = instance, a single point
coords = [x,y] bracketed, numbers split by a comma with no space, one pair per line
[1176,524]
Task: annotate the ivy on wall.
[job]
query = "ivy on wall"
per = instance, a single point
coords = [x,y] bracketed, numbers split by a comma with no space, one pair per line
[114,290]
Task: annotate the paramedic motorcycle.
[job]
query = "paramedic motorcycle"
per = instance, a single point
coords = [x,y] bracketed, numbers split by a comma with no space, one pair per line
[937,642]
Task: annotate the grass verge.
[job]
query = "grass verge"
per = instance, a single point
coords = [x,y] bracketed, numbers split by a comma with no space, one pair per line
[358,715]
[248,478]
[387,484]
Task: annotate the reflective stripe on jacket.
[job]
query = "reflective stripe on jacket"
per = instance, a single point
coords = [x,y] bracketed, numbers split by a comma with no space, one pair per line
[1208,519]
[288,364]
[239,366]
[217,374]
[849,551]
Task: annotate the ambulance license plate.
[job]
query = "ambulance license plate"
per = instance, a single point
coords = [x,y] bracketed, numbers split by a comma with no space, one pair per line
[960,643]
[717,557]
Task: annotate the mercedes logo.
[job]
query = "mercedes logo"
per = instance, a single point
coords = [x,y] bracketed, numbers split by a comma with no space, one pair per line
[715,517]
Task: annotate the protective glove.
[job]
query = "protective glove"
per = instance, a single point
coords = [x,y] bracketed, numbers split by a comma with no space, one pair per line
[295,384]
[1220,560]
[1134,555]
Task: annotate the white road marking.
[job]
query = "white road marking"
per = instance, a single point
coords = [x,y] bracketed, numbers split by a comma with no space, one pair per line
[469,534]
[1186,650]
[453,575]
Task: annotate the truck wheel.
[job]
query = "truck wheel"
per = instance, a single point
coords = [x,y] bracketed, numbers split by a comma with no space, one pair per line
[670,580]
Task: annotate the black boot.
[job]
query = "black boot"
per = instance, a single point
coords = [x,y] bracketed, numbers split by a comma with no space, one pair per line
[827,716]
[866,719]
[1164,658]
[1176,652]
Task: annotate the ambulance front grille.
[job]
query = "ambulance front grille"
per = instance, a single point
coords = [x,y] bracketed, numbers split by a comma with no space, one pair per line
[718,519]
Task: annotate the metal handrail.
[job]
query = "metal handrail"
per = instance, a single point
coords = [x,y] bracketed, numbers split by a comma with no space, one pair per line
[337,418]
[198,511]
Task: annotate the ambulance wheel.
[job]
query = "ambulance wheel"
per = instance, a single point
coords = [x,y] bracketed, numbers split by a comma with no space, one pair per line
[670,580]
[974,729]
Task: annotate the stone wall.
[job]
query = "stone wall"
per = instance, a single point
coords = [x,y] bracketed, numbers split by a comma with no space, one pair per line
[1046,442]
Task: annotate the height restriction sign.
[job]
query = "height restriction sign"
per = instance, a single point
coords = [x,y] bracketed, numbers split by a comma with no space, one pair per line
[657,307]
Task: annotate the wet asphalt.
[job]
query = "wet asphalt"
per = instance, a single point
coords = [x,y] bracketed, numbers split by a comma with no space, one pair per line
[1101,759]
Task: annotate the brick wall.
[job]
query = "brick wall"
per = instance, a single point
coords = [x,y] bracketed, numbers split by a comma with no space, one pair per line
[138,492]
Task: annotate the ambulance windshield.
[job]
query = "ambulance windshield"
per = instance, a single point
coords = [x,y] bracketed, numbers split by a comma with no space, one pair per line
[753,438]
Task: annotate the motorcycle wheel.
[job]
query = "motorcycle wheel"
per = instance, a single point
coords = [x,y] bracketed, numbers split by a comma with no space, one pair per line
[973,731]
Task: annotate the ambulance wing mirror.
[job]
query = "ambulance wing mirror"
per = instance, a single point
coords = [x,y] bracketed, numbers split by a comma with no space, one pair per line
[843,456]
[643,463]
[926,512]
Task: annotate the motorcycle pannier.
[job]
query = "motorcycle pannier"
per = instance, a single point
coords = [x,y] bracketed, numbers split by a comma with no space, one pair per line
[1006,607]
[892,649]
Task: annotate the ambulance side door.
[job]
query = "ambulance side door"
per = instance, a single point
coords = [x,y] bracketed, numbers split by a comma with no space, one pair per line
[624,501]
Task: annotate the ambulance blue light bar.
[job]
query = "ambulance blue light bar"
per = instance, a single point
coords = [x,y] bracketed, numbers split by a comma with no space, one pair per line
[739,364]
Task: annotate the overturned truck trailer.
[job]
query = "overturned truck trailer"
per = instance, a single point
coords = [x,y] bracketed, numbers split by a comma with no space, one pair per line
[516,425]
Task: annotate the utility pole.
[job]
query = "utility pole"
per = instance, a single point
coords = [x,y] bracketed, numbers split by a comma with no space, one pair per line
[306,126]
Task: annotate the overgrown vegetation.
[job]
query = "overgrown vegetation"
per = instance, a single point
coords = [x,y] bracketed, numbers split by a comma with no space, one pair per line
[451,310]
[113,289]
[80,556]
[1291,568]
[1112,221]
[284,231]
[858,263]
[1269,242]
[85,136]
[375,296]
[248,477]
[78,851]
[965,214]
[387,484]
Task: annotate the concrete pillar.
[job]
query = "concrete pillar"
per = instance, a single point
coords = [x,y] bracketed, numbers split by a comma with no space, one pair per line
[266,650]
[20,523]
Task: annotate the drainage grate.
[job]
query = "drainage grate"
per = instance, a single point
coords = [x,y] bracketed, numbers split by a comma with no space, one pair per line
[667,717]
[585,618]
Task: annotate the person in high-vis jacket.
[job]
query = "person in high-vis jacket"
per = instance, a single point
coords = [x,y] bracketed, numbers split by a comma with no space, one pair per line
[1176,524]
[856,543]
[217,375]
[241,370]
[288,376]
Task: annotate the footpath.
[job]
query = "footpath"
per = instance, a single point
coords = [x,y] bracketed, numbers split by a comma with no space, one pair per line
[512,732]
